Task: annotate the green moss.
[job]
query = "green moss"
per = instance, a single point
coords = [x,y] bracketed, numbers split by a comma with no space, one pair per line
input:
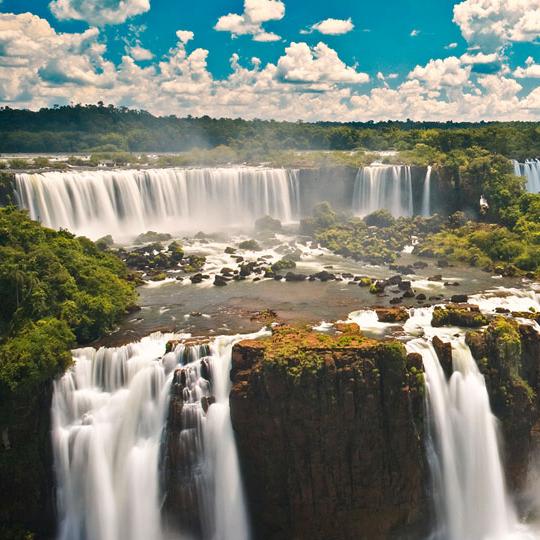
[282,264]
[458,316]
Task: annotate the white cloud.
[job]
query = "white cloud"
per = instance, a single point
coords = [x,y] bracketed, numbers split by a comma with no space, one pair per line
[479,58]
[266,37]
[185,35]
[452,45]
[414,32]
[138,52]
[333,27]
[492,23]
[531,70]
[256,12]
[320,64]
[40,67]
[441,73]
[98,12]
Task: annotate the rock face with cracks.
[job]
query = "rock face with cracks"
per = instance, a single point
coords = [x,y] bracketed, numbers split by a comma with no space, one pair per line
[329,435]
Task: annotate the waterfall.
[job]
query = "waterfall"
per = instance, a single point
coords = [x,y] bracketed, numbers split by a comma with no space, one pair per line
[426,194]
[109,412]
[531,171]
[471,499]
[95,203]
[383,187]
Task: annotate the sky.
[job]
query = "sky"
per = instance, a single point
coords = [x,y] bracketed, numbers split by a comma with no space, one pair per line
[340,60]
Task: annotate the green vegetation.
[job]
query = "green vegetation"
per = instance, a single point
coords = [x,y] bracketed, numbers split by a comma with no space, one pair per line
[103,129]
[377,239]
[504,249]
[467,316]
[506,240]
[56,290]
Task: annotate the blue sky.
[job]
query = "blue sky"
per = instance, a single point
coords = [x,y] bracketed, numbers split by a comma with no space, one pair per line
[341,60]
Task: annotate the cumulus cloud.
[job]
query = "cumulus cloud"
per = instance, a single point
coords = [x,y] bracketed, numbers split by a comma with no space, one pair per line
[414,33]
[185,35]
[320,64]
[452,45]
[531,70]
[492,23]
[256,12]
[333,27]
[40,67]
[98,12]
[441,73]
[138,52]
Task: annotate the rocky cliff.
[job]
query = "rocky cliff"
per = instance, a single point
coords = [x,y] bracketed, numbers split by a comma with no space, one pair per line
[329,435]
[508,354]
[27,501]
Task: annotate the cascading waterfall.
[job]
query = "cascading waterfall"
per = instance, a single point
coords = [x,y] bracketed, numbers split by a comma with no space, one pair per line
[95,203]
[531,171]
[471,499]
[108,414]
[211,471]
[108,411]
[383,186]
[426,194]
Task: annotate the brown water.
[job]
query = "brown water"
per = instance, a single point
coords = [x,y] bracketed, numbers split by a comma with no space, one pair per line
[208,310]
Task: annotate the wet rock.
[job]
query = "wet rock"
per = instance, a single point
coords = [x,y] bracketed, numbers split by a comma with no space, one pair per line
[404,285]
[196,278]
[420,264]
[283,264]
[409,293]
[250,245]
[392,315]
[396,300]
[444,353]
[152,236]
[443,263]
[394,280]
[324,275]
[230,250]
[437,277]
[206,402]
[291,276]
[459,298]
[378,287]
[220,281]
[464,315]
[421,297]
[406,270]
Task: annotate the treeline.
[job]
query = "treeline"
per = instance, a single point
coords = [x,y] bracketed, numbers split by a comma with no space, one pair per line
[94,128]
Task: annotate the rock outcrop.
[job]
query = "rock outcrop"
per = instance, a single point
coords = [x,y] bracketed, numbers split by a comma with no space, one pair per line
[329,435]
[27,503]
[508,354]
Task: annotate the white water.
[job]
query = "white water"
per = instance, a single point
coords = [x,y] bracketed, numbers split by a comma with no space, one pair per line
[388,187]
[108,415]
[470,495]
[125,203]
[471,499]
[531,171]
[426,194]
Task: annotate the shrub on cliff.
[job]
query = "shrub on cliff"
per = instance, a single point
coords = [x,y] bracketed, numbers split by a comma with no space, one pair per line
[56,289]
